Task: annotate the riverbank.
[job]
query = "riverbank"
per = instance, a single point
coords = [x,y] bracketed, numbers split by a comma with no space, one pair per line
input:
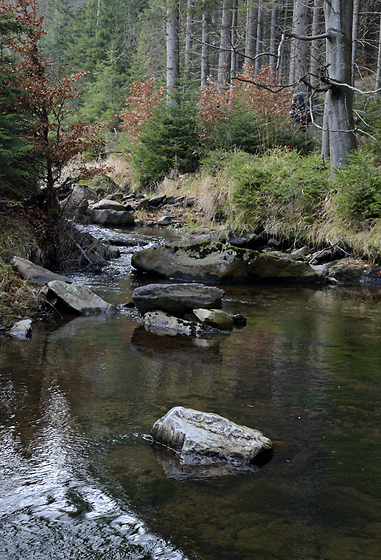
[279,202]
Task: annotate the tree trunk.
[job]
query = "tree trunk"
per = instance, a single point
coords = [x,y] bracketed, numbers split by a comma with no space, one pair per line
[258,46]
[172,48]
[251,32]
[378,75]
[273,59]
[225,46]
[325,135]
[188,41]
[204,46]
[338,21]
[299,54]
[355,26]
[315,54]
[233,58]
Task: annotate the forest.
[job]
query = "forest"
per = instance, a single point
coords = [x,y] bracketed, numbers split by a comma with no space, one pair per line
[272,108]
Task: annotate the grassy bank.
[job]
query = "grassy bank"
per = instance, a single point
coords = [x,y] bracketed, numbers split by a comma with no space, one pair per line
[290,197]
[24,232]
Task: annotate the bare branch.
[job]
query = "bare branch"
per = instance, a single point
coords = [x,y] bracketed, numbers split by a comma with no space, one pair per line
[308,37]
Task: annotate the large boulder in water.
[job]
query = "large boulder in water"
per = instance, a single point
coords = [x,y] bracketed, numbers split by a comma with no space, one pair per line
[213,262]
[176,299]
[78,299]
[205,438]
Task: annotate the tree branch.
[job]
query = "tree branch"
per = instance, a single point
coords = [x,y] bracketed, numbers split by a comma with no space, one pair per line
[307,37]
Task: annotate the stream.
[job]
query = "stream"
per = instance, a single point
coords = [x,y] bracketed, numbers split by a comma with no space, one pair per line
[80,480]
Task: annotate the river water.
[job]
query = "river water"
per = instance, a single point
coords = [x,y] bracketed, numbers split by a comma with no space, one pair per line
[79,478]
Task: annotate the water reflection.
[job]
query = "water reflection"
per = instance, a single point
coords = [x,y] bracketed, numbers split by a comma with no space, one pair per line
[78,474]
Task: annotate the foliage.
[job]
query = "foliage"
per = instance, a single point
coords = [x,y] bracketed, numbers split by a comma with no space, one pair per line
[46,96]
[169,140]
[358,197]
[104,94]
[13,147]
[246,117]
[142,100]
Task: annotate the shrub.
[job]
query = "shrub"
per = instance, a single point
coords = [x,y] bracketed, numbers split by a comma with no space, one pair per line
[169,140]
[358,198]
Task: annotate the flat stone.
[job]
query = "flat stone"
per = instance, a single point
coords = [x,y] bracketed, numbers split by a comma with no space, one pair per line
[176,299]
[206,438]
[79,299]
[34,273]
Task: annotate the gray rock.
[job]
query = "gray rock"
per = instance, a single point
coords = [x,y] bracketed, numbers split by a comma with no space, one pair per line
[79,197]
[214,318]
[108,204]
[157,201]
[161,323]
[143,204]
[346,270]
[214,262]
[112,217]
[34,273]
[78,299]
[205,438]
[176,299]
[21,329]
[164,221]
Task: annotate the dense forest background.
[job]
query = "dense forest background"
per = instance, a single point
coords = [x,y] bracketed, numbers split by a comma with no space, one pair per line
[176,86]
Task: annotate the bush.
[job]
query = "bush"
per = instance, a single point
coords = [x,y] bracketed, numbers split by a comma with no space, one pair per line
[168,141]
[245,129]
[358,198]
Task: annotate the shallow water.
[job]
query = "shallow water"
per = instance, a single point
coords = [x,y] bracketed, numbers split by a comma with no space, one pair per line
[79,478]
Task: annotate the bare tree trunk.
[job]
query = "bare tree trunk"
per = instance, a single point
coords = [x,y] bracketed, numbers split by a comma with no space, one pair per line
[355,26]
[258,46]
[204,47]
[172,48]
[233,58]
[378,75]
[299,54]
[338,21]
[273,59]
[225,46]
[316,44]
[251,31]
[325,136]
[188,41]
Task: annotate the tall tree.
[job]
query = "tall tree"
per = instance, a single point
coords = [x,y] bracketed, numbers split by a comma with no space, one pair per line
[225,43]
[205,44]
[339,103]
[173,28]
[299,54]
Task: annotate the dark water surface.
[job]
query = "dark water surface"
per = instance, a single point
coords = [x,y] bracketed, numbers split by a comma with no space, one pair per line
[80,480]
